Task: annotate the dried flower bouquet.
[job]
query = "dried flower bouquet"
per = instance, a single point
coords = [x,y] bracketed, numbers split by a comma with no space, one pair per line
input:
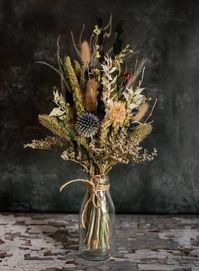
[100,117]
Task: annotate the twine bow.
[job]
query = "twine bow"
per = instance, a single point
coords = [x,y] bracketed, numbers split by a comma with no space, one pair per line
[93,186]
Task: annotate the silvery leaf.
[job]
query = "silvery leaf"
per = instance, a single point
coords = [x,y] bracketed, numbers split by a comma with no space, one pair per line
[56,112]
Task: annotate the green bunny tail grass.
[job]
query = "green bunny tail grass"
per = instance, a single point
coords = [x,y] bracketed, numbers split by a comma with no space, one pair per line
[140,133]
[77,93]
[52,124]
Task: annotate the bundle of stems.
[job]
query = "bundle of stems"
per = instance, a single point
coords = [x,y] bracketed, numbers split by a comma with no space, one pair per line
[96,231]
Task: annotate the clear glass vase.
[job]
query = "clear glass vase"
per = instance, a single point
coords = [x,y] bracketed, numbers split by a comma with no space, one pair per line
[97,221]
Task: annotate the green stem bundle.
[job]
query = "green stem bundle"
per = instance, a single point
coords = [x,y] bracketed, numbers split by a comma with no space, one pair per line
[96,232]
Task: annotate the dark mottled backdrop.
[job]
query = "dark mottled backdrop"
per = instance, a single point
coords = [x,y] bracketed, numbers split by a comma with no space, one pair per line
[167,33]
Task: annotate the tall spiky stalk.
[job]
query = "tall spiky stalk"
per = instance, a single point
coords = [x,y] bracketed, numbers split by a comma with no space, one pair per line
[77,92]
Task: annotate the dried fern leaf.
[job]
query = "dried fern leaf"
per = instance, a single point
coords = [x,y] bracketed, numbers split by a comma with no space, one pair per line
[77,93]
[140,133]
[52,124]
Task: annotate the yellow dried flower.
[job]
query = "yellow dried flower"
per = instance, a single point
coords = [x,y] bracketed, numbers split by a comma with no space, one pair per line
[117,113]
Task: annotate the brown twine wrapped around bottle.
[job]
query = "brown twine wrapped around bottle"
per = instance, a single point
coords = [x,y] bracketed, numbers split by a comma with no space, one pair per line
[94,185]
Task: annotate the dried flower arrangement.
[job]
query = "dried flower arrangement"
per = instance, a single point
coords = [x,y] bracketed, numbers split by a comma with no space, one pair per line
[101,114]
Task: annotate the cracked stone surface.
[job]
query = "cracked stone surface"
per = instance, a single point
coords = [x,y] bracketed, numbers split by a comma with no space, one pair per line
[49,242]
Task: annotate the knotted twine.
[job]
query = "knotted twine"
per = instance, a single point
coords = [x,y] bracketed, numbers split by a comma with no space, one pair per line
[94,185]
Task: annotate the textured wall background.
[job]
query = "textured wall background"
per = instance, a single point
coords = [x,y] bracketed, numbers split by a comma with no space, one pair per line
[167,32]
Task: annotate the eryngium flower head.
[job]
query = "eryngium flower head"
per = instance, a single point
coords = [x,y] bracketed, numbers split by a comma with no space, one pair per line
[87,125]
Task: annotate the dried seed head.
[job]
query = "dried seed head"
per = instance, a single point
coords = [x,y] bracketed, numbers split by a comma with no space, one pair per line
[141,112]
[91,95]
[87,125]
[117,113]
[85,53]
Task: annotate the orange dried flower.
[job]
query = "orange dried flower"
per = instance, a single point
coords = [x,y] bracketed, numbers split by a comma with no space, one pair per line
[117,113]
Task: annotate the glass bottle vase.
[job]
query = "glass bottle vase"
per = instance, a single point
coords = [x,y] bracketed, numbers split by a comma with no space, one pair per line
[97,221]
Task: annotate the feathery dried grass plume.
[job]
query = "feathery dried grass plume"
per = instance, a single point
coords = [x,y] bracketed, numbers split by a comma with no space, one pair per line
[85,53]
[141,112]
[91,95]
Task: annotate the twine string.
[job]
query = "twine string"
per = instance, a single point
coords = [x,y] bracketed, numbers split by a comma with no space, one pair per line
[93,186]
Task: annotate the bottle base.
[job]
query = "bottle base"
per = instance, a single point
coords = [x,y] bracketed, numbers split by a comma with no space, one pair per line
[95,255]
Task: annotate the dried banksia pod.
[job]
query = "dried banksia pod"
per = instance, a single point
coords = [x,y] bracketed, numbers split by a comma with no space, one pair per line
[52,124]
[141,112]
[87,125]
[76,91]
[140,133]
[91,96]
[85,53]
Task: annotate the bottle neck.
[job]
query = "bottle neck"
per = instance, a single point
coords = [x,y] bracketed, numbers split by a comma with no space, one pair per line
[100,183]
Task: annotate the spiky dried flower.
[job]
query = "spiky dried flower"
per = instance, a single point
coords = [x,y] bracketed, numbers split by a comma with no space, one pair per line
[87,125]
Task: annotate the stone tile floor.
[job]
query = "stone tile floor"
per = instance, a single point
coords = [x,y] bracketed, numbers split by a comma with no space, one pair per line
[49,242]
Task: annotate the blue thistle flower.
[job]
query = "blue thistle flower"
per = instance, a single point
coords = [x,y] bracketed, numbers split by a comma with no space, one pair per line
[87,125]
